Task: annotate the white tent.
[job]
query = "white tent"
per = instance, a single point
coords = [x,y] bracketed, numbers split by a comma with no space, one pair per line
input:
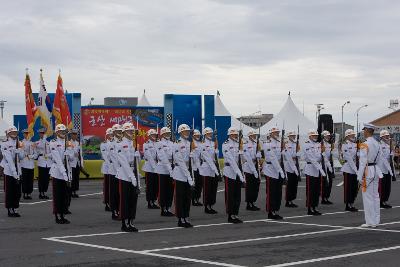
[143,101]
[289,117]
[3,127]
[220,110]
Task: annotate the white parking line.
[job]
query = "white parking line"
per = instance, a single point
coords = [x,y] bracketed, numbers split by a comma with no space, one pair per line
[50,200]
[334,257]
[143,253]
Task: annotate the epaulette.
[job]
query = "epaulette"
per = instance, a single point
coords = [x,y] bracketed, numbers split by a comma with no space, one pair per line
[307,142]
[226,141]
[179,141]
[53,140]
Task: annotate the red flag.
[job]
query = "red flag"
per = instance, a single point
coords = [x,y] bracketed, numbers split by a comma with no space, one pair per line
[31,109]
[60,106]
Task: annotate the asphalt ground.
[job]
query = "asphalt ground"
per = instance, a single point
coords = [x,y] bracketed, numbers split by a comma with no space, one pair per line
[93,239]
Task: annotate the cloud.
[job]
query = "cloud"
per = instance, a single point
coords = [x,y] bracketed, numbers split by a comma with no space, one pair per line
[254,52]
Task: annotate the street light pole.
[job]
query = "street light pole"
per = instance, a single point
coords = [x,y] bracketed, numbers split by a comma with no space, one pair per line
[358,110]
[2,107]
[348,102]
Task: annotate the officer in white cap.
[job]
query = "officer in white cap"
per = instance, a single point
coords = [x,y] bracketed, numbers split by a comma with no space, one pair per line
[149,167]
[349,170]
[368,175]
[182,176]
[385,183]
[251,170]
[129,184]
[44,163]
[11,162]
[313,171]
[291,155]
[164,171]
[27,165]
[61,173]
[328,154]
[114,165]
[233,175]
[106,167]
[274,174]
[198,179]
[209,171]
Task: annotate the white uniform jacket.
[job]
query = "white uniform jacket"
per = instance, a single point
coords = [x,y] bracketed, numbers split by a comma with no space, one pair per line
[10,154]
[181,153]
[164,157]
[29,155]
[290,155]
[208,167]
[61,157]
[349,152]
[271,166]
[232,155]
[150,156]
[313,158]
[43,153]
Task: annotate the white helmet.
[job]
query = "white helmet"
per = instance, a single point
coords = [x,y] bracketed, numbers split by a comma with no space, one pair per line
[312,132]
[349,132]
[232,130]
[11,129]
[196,133]
[109,131]
[60,127]
[116,127]
[165,130]
[273,130]
[183,127]
[384,133]
[127,126]
[151,132]
[251,132]
[207,130]
[291,133]
[325,133]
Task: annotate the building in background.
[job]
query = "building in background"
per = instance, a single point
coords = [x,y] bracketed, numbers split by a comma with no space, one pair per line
[390,122]
[120,101]
[337,128]
[256,121]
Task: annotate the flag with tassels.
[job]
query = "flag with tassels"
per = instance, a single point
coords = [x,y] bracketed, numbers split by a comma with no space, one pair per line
[45,107]
[60,106]
[30,106]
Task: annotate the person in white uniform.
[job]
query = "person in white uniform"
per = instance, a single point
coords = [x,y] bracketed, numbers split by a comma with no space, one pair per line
[385,183]
[27,165]
[198,179]
[44,163]
[368,175]
[150,164]
[291,154]
[251,170]
[106,166]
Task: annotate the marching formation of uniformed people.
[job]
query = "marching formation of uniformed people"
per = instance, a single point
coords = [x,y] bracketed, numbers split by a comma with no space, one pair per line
[185,172]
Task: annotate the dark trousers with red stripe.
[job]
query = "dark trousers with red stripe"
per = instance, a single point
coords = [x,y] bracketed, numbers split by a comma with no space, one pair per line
[128,200]
[27,181]
[326,185]
[12,190]
[385,186]
[233,189]
[106,189]
[252,187]
[114,193]
[165,191]
[350,187]
[43,179]
[75,178]
[151,186]
[274,194]
[198,185]
[210,190]
[60,196]
[183,197]
[291,186]
[313,188]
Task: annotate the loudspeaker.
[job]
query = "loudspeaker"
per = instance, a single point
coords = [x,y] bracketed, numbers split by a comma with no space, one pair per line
[325,122]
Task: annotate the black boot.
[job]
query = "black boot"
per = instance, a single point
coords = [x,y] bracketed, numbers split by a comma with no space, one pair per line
[124,227]
[64,221]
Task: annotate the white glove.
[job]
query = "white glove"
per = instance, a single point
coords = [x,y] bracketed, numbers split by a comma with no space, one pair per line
[255,174]
[65,176]
[241,178]
[258,155]
[191,155]
[137,154]
[240,152]
[322,172]
[31,157]
[191,182]
[359,178]
[296,172]
[134,183]
[216,151]
[15,175]
[282,174]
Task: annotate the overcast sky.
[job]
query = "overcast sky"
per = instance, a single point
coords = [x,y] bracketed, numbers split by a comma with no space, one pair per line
[254,52]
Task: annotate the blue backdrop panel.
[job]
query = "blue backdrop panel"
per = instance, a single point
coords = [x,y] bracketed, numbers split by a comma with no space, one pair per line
[223,124]
[209,111]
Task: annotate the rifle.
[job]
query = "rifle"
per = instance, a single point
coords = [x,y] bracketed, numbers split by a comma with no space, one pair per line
[258,149]
[323,159]
[135,161]
[215,155]
[66,161]
[191,147]
[282,163]
[391,159]
[16,160]
[173,139]
[297,150]
[240,163]
[332,141]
